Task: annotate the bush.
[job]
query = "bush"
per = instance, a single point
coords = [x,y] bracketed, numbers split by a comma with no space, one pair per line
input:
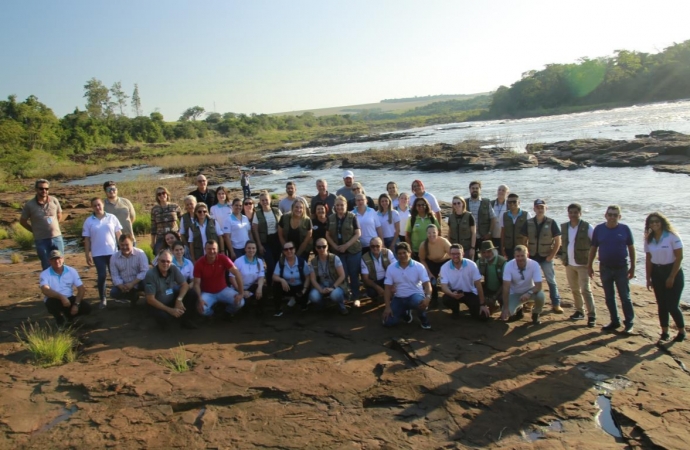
[16,258]
[4,234]
[178,361]
[142,225]
[74,227]
[23,237]
[47,346]
[146,247]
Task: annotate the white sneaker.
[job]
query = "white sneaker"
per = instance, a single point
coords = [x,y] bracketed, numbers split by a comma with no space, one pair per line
[291,302]
[357,304]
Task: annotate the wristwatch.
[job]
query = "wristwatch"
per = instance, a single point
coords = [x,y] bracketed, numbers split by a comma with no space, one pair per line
[179,299]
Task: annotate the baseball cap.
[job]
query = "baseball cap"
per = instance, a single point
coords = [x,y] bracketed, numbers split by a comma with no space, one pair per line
[539,202]
[55,254]
[348,174]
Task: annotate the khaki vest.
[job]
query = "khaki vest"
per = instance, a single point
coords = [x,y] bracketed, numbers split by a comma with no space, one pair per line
[263,227]
[188,219]
[582,243]
[304,228]
[460,231]
[371,267]
[543,244]
[347,231]
[210,234]
[331,270]
[511,231]
[483,216]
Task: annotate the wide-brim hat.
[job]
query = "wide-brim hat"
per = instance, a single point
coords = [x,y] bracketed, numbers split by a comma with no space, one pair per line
[487,245]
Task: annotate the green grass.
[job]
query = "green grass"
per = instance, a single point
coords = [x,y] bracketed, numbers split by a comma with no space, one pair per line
[48,346]
[178,361]
[4,234]
[145,245]
[74,227]
[23,237]
[142,225]
[16,258]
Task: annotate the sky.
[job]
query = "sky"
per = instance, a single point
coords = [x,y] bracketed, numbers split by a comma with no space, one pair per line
[269,56]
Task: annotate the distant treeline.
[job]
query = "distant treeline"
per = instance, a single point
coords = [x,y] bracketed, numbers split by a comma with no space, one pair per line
[422,98]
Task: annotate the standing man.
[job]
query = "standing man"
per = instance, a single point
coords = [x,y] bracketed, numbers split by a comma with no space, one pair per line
[42,215]
[491,266]
[577,241]
[522,284]
[322,196]
[128,268]
[202,193]
[499,206]
[119,207]
[211,282]
[461,282]
[511,223]
[244,182]
[614,241]
[346,190]
[285,204]
[483,213]
[543,241]
[57,285]
[373,268]
[407,288]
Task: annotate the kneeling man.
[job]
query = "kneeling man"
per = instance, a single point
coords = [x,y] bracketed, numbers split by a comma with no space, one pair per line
[211,282]
[167,293]
[374,265]
[522,284]
[57,284]
[461,282]
[407,288]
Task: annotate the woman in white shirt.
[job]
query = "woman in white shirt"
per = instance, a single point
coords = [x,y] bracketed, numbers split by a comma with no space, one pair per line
[392,189]
[390,220]
[221,210]
[664,250]
[369,222]
[253,275]
[101,232]
[403,210]
[237,230]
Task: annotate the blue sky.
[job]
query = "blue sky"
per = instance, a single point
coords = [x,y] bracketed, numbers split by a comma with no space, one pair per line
[270,56]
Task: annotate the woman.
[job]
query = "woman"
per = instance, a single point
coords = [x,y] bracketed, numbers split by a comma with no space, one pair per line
[664,250]
[433,253]
[221,210]
[101,232]
[343,238]
[164,218]
[461,227]
[203,229]
[390,222]
[420,218]
[265,230]
[392,189]
[248,209]
[185,265]
[296,227]
[319,223]
[419,191]
[170,238]
[358,189]
[237,230]
[369,222]
[290,280]
[187,218]
[327,278]
[253,275]
[403,210]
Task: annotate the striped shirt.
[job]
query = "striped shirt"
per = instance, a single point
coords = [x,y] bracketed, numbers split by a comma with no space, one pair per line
[124,269]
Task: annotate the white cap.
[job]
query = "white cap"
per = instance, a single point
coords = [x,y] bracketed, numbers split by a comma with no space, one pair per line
[348,174]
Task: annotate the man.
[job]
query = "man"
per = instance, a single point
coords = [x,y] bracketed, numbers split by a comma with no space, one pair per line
[128,268]
[614,241]
[407,288]
[167,293]
[521,284]
[544,241]
[461,282]
[577,241]
[210,282]
[202,194]
[491,266]
[119,207]
[420,192]
[327,278]
[42,215]
[244,182]
[373,268]
[483,213]
[322,196]
[285,204]
[511,223]
[57,285]
[346,190]
[499,206]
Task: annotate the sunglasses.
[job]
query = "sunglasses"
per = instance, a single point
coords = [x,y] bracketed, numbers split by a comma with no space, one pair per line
[321,247]
[287,249]
[249,204]
[161,193]
[456,203]
[202,211]
[374,246]
[42,189]
[112,189]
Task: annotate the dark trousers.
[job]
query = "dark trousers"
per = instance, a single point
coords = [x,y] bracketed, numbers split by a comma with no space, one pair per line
[102,264]
[63,313]
[272,250]
[258,304]
[435,269]
[668,300]
[371,292]
[280,296]
[132,295]
[189,301]
[246,191]
[470,299]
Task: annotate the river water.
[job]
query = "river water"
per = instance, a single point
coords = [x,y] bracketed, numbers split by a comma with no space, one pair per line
[638,191]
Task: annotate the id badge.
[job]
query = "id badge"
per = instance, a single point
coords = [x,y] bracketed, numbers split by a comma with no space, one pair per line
[49,220]
[169,292]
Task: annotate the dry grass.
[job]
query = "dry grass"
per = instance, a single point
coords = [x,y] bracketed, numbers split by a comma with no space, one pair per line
[178,361]
[16,258]
[190,164]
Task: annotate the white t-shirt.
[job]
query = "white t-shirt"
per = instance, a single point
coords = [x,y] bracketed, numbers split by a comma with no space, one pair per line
[102,234]
[461,279]
[531,274]
[572,233]
[389,229]
[61,284]
[404,217]
[662,251]
[238,229]
[429,198]
[251,271]
[202,230]
[220,213]
[378,264]
[368,223]
[271,223]
[407,281]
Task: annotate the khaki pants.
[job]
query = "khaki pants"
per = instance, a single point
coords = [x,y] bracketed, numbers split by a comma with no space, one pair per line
[578,279]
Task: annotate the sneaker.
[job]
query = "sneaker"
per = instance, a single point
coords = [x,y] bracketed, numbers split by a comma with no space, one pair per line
[408,316]
[455,314]
[664,337]
[535,319]
[628,329]
[292,302]
[103,304]
[557,309]
[305,307]
[343,311]
[357,304]
[577,316]
[278,314]
[680,337]
[591,322]
[611,327]
[519,314]
[425,325]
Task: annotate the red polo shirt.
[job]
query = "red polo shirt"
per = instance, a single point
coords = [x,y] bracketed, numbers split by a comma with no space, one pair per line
[213,276]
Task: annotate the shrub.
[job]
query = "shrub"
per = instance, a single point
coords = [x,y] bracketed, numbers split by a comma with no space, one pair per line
[4,234]
[146,247]
[23,237]
[16,258]
[142,225]
[178,361]
[47,346]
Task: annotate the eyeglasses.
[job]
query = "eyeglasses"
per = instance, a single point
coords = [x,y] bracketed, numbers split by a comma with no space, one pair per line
[112,189]
[321,247]
[455,254]
[161,193]
[457,203]
[522,273]
[374,246]
[42,189]
[165,261]
[237,205]
[287,249]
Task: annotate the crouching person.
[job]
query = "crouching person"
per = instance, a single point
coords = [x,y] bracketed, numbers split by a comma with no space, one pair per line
[128,268]
[253,273]
[211,282]
[290,280]
[57,284]
[374,265]
[168,294]
[461,282]
[491,266]
[327,278]
[522,284]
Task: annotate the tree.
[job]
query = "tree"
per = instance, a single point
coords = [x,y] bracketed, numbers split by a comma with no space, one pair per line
[213,118]
[98,102]
[120,96]
[192,113]
[136,102]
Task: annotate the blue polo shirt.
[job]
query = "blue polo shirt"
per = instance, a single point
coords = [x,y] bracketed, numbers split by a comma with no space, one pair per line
[613,244]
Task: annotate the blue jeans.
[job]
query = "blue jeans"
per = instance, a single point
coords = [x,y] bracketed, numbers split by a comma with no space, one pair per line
[618,277]
[352,266]
[44,247]
[550,275]
[319,300]
[226,296]
[400,306]
[246,191]
[102,264]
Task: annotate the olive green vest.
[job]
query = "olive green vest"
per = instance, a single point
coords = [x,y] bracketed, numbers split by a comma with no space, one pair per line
[371,267]
[304,228]
[543,244]
[460,231]
[263,227]
[582,243]
[331,270]
[347,231]
[511,231]
[188,219]
[210,234]
[483,216]
[483,264]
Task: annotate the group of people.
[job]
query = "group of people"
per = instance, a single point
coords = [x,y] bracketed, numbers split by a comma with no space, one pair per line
[220,254]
